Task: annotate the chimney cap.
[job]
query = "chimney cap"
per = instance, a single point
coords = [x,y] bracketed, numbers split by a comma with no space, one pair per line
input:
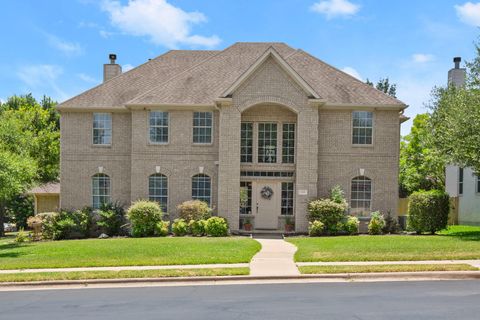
[112,57]
[457,59]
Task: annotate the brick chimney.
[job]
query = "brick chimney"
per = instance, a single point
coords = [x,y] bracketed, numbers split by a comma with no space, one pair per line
[457,75]
[111,70]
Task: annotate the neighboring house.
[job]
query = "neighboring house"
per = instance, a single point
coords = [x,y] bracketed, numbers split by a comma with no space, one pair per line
[463,182]
[46,197]
[265,117]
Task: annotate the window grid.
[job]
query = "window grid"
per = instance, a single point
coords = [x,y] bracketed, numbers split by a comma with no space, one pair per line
[247,209]
[288,141]
[158,127]
[246,142]
[202,127]
[362,127]
[267,142]
[361,197]
[100,190]
[102,128]
[460,181]
[201,188]
[158,190]
[287,198]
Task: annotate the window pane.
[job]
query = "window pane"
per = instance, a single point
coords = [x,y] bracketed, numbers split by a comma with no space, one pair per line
[288,144]
[246,142]
[202,127]
[100,190]
[362,122]
[245,197]
[287,198]
[158,127]
[361,193]
[158,190]
[267,142]
[102,128]
[201,188]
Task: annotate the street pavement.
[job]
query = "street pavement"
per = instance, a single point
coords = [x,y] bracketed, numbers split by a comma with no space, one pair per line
[365,300]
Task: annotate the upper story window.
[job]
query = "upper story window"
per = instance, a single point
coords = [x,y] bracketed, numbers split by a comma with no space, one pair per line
[100,190]
[102,128]
[158,127]
[460,181]
[361,196]
[202,188]
[158,189]
[362,127]
[288,143]
[202,127]
[267,142]
[246,142]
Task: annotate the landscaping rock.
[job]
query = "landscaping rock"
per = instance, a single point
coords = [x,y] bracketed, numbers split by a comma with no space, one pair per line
[103,236]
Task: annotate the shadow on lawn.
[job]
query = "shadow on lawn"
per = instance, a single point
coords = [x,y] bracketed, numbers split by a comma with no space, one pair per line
[472,235]
[11,254]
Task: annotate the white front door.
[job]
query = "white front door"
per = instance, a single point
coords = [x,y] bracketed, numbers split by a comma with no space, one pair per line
[266,199]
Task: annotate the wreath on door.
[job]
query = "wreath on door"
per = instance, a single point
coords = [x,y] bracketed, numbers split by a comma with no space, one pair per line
[266,192]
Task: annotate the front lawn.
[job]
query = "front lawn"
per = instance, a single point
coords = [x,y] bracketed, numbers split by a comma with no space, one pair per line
[124,274]
[456,243]
[386,268]
[126,252]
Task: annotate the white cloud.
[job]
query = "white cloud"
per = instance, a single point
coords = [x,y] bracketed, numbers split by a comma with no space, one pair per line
[42,78]
[335,8]
[469,13]
[162,22]
[354,73]
[85,77]
[127,67]
[68,48]
[422,57]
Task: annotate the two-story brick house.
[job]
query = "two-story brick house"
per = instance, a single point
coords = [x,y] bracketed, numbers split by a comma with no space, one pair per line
[275,121]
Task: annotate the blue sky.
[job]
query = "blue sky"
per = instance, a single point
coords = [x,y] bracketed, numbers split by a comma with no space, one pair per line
[57,47]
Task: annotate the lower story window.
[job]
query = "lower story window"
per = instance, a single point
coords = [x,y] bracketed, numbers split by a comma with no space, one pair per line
[158,190]
[287,198]
[245,197]
[361,197]
[100,190]
[201,188]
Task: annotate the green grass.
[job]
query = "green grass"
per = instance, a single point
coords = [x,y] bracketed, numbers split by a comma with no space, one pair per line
[124,274]
[386,268]
[125,252]
[458,243]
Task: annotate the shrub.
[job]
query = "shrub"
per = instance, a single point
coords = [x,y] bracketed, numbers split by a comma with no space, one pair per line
[327,211]
[35,223]
[391,224]
[377,223]
[144,216]
[46,219]
[315,228]
[194,210]
[338,195]
[197,227]
[66,224]
[428,211]
[351,225]
[111,217]
[22,236]
[161,228]
[216,227]
[179,227]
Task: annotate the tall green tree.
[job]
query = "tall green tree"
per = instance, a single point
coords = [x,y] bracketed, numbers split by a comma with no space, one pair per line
[422,167]
[385,86]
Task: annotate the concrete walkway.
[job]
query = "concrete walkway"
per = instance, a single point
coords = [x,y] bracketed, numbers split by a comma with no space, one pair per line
[274,259]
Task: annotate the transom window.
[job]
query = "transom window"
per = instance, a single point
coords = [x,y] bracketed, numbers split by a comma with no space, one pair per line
[158,127]
[100,190]
[287,198]
[288,143]
[246,142]
[361,197]
[362,127]
[202,127]
[102,128]
[245,197]
[158,190]
[201,188]
[267,142]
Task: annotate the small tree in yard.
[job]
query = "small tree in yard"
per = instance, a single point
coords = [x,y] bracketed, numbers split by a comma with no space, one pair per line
[428,211]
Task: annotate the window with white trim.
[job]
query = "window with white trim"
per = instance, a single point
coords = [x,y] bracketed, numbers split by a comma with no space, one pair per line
[202,127]
[267,142]
[102,129]
[158,127]
[100,190]
[202,188]
[361,195]
[246,142]
[362,122]
[287,198]
[288,143]
[158,190]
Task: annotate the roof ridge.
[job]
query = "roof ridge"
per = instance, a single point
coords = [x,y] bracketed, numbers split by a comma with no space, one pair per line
[177,75]
[352,77]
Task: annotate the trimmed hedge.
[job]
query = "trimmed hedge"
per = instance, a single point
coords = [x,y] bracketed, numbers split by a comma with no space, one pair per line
[428,211]
[216,227]
[329,212]
[144,217]
[194,210]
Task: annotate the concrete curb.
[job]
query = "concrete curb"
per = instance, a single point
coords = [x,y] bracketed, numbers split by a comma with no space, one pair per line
[377,276]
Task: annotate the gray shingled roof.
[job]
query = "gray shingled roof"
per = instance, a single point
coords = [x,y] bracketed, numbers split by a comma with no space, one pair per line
[47,188]
[200,77]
